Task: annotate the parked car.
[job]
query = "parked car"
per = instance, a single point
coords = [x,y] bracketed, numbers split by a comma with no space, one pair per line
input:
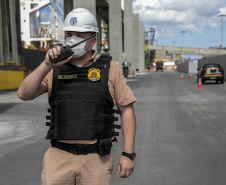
[211,72]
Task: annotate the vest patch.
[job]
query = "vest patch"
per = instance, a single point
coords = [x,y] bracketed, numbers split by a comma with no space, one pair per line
[94,74]
[67,76]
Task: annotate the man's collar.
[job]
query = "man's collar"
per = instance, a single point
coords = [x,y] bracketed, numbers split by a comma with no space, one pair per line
[93,59]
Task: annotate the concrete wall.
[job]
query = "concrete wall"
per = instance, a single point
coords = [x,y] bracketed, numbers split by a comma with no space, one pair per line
[160,54]
[1,35]
[221,59]
[188,67]
[141,45]
[136,49]
[183,67]
[99,13]
[87,4]
[10,39]
[192,67]
[128,32]
[68,6]
[115,30]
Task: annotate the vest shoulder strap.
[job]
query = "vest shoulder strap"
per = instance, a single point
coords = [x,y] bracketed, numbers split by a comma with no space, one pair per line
[102,61]
[106,58]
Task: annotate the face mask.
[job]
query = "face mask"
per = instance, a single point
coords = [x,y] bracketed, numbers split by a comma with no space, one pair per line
[79,50]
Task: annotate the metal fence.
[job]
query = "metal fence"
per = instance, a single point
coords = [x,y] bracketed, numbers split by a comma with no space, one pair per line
[31,59]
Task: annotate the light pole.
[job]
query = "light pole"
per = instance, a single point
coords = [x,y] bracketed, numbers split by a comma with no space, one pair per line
[221,15]
[183,46]
[174,45]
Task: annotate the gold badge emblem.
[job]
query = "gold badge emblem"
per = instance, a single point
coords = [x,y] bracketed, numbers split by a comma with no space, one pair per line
[94,74]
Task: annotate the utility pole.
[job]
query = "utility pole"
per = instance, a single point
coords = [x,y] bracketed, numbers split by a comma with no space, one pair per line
[138,7]
[221,15]
[183,46]
[174,45]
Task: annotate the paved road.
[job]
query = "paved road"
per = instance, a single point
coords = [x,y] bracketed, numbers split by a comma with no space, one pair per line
[181,134]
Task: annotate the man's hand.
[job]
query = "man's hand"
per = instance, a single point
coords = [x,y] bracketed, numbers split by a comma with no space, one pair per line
[53,53]
[125,167]
[31,86]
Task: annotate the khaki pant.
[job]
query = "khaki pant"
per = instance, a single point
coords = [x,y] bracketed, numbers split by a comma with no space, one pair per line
[63,168]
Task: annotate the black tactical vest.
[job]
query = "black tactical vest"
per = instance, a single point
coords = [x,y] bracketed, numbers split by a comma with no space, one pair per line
[81,104]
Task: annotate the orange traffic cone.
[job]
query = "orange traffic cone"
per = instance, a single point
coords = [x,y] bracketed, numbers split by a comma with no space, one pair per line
[182,76]
[200,84]
[190,77]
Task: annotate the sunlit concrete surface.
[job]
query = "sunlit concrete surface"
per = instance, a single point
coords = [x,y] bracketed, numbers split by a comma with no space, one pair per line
[22,122]
[180,139]
[181,132]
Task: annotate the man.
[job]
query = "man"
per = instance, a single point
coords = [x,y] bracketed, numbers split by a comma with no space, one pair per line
[82,91]
[125,68]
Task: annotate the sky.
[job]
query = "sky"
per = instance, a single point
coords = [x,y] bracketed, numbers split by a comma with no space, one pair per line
[47,15]
[198,18]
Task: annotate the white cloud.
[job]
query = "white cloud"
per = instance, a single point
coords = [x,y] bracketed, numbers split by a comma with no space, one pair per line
[165,32]
[48,17]
[192,16]
[168,17]
[191,28]
[223,10]
[212,22]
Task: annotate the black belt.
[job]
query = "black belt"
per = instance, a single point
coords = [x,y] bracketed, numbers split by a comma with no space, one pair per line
[75,148]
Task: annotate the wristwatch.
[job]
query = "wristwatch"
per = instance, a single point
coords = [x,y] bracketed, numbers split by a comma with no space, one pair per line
[132,156]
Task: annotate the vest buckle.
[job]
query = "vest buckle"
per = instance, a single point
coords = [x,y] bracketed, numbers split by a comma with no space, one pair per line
[80,149]
[51,110]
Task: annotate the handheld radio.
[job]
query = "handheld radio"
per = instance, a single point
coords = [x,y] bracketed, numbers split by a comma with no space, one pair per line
[67,51]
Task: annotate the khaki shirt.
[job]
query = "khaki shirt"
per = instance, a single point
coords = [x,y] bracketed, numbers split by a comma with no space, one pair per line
[119,90]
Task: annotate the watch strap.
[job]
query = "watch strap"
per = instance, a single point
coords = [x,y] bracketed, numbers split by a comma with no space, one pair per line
[129,155]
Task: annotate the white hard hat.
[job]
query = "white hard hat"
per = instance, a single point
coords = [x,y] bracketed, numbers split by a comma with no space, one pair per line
[80,20]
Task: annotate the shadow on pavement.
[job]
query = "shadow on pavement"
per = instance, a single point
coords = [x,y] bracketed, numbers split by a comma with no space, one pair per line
[5,106]
[7,91]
